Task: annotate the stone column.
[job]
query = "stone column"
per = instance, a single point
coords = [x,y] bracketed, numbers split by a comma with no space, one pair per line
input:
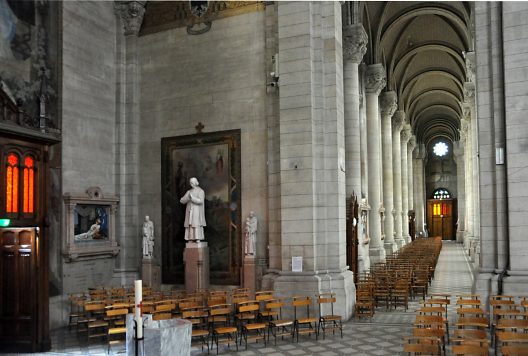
[127,148]
[410,177]
[354,47]
[466,134]
[419,187]
[405,136]
[363,131]
[458,152]
[313,177]
[469,101]
[376,80]
[388,105]
[397,124]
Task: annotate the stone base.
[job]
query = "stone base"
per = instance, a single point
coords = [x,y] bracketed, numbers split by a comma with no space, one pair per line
[249,273]
[196,261]
[485,284]
[290,284]
[515,283]
[151,274]
[400,242]
[377,254]
[390,248]
[460,236]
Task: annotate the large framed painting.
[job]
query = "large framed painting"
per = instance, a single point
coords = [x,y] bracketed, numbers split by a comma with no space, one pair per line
[214,159]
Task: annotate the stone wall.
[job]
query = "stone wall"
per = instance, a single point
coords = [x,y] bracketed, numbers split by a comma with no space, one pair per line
[219,79]
[88,107]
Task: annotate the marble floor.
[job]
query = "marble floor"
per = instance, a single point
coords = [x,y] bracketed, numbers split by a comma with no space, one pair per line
[381,336]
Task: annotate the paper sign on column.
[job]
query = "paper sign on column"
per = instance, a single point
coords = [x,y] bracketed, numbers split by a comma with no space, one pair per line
[297,264]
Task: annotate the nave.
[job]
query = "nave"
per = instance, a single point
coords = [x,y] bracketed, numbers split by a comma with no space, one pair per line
[383,335]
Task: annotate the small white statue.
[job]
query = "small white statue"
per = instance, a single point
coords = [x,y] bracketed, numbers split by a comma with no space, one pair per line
[194,212]
[250,234]
[148,238]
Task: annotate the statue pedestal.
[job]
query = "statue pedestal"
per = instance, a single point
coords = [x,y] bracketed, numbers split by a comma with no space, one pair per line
[249,273]
[151,274]
[196,260]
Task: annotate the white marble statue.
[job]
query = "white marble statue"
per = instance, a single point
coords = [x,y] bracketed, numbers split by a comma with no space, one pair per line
[250,234]
[194,212]
[148,238]
[92,234]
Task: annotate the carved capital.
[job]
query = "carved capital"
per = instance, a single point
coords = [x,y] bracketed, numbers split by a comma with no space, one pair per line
[458,149]
[466,111]
[388,104]
[131,14]
[469,91]
[406,134]
[355,41]
[397,121]
[412,143]
[376,78]
[470,66]
[420,152]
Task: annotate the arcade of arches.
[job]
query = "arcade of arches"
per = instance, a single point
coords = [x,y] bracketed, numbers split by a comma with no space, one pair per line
[348,128]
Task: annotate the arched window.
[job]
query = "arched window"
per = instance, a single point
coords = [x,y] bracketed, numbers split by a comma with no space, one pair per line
[441,193]
[29,185]
[12,183]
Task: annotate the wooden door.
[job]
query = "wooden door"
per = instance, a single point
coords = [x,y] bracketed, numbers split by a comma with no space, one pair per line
[352,236]
[18,278]
[441,218]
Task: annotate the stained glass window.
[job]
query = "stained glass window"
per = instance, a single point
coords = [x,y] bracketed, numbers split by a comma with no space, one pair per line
[440,149]
[441,193]
[29,184]
[12,184]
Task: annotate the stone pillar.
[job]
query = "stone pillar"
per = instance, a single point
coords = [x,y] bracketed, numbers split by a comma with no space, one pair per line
[410,177]
[313,118]
[397,124]
[458,152]
[354,47]
[466,134]
[388,105]
[127,148]
[405,136]
[196,261]
[419,187]
[363,132]
[376,80]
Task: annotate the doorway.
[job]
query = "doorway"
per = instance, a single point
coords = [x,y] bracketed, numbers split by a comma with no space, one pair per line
[441,218]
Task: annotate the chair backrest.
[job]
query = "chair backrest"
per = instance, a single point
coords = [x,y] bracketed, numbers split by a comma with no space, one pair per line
[512,324]
[249,307]
[326,298]
[264,295]
[300,302]
[162,316]
[473,350]
[116,312]
[515,350]
[422,345]
[165,307]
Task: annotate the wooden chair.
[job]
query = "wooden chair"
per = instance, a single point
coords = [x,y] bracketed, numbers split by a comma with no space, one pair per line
[303,324]
[422,345]
[97,326]
[116,318]
[471,348]
[330,321]
[515,350]
[364,304]
[222,334]
[247,314]
[200,329]
[279,327]
[431,329]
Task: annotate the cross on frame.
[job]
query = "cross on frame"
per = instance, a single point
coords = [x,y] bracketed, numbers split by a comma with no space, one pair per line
[199,127]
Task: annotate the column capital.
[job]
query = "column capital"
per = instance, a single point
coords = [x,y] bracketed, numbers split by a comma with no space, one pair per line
[397,121]
[406,133]
[388,104]
[469,91]
[420,152]
[376,78]
[131,14]
[355,40]
[412,143]
[464,129]
[470,66]
[458,149]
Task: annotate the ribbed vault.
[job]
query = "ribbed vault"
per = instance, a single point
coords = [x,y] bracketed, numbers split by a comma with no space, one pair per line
[422,46]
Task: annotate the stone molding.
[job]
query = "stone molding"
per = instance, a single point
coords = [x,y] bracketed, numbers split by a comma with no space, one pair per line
[376,78]
[131,14]
[355,40]
[458,148]
[388,104]
[420,152]
[412,143]
[469,91]
[398,118]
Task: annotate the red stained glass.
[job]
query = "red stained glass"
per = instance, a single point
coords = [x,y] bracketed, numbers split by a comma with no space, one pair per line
[12,184]
[28,185]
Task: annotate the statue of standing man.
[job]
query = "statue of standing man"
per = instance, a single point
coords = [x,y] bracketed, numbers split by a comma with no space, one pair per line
[194,212]
[250,234]
[148,238]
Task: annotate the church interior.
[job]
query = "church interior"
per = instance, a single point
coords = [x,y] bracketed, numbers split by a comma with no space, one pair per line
[358,161]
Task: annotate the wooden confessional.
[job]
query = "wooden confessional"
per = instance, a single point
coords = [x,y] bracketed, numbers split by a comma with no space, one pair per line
[24,300]
[441,218]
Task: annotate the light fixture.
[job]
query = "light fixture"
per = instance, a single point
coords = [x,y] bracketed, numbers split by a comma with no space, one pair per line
[5,222]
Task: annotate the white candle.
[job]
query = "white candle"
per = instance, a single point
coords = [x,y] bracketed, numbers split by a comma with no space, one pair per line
[138,301]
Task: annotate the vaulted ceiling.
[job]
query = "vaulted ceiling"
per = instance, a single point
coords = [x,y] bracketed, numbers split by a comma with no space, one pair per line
[422,46]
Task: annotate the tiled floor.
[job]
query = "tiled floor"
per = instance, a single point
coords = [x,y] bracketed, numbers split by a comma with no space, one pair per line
[381,336]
